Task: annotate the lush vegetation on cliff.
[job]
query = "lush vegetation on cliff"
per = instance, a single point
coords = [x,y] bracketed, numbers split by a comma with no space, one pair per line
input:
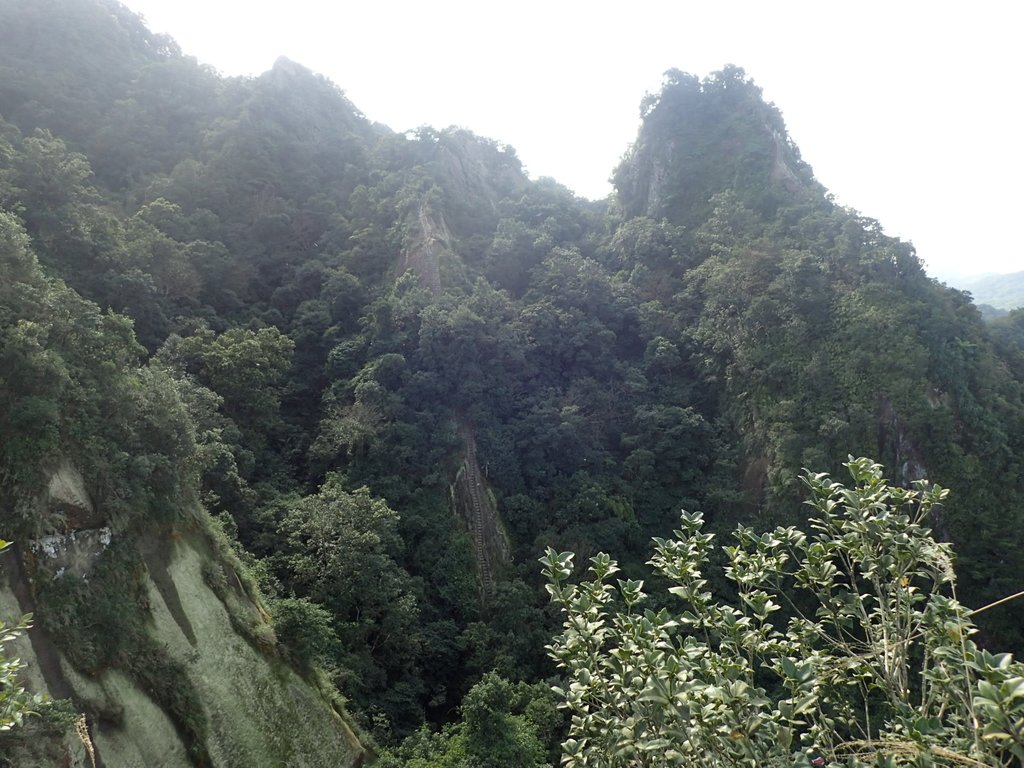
[348,344]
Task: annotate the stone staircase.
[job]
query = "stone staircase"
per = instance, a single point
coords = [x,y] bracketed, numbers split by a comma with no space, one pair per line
[478,519]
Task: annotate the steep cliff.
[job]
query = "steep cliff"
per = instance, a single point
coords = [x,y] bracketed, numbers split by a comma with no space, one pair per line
[147,626]
[252,708]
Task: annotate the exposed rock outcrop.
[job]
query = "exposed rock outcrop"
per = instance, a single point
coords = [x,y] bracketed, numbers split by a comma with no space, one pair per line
[83,535]
[491,546]
[427,240]
[256,710]
[896,445]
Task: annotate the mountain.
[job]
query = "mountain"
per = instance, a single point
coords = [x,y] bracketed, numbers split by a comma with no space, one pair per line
[293,403]
[1004,291]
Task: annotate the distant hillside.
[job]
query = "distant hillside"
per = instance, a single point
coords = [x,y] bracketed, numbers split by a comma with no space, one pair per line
[999,291]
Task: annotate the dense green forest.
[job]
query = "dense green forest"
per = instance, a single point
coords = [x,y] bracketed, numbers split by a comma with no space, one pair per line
[394,369]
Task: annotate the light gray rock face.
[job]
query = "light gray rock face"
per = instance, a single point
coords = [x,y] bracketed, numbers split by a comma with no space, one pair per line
[72,553]
[257,710]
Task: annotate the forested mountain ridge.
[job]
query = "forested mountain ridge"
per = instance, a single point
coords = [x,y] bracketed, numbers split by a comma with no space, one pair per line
[394,368]
[1003,292]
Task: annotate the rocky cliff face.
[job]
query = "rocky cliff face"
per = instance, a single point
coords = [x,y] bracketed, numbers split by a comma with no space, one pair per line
[492,550]
[702,137]
[254,709]
[427,242]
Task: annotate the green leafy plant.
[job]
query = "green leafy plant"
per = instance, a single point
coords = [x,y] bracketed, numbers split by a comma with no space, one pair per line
[843,646]
[304,630]
[15,702]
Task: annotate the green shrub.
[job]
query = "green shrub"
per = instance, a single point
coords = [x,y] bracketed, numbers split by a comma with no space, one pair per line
[305,631]
[845,644]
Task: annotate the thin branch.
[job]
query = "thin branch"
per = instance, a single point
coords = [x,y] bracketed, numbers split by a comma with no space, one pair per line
[1006,599]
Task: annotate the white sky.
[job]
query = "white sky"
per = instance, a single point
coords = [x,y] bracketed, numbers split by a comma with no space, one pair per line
[907,110]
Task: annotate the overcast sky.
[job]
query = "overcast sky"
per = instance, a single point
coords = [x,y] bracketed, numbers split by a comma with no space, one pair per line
[907,111]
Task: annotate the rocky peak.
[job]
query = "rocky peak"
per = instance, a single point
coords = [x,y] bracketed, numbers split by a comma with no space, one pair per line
[702,137]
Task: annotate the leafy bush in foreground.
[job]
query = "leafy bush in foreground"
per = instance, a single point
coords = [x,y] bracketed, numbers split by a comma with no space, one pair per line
[15,701]
[845,646]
